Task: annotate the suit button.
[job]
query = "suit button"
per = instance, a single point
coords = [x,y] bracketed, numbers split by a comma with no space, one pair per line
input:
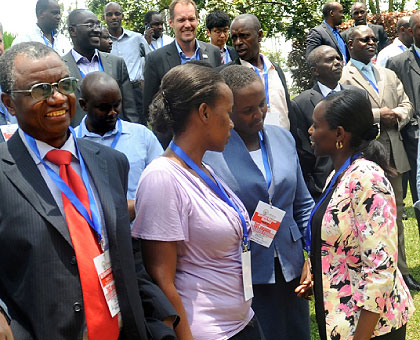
[77,307]
[73,260]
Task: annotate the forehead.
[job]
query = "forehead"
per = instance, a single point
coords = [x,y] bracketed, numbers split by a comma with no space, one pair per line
[46,69]
[358,8]
[328,53]
[364,32]
[337,7]
[319,112]
[102,91]
[52,6]
[85,17]
[243,25]
[113,8]
[156,17]
[184,10]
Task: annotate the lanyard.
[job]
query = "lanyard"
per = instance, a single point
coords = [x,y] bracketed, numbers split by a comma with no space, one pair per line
[161,44]
[216,187]
[93,221]
[370,81]
[418,55]
[265,160]
[101,68]
[330,186]
[47,42]
[116,138]
[403,49]
[265,80]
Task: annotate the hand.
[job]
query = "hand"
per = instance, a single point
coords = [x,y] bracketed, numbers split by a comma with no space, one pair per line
[304,290]
[5,330]
[148,35]
[131,209]
[388,117]
[169,321]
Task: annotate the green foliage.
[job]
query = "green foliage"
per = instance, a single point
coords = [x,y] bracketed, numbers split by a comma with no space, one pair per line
[8,39]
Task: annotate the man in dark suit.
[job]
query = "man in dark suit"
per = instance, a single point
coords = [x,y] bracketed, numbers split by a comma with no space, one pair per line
[327,33]
[326,66]
[407,68]
[85,32]
[217,24]
[43,288]
[246,36]
[359,14]
[183,18]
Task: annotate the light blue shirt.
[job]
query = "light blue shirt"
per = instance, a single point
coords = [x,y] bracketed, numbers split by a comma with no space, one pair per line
[367,70]
[184,57]
[137,142]
[340,41]
[132,47]
[5,116]
[85,65]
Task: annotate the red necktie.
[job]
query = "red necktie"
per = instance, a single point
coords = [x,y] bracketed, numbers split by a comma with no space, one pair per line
[222,60]
[100,325]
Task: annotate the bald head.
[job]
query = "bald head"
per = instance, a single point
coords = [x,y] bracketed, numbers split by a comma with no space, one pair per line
[333,13]
[113,5]
[316,54]
[250,21]
[100,98]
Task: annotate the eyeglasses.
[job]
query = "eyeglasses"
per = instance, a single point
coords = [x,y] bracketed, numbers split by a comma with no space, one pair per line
[366,39]
[91,25]
[219,31]
[42,91]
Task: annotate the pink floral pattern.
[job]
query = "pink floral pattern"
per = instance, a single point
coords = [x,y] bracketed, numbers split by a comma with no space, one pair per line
[359,254]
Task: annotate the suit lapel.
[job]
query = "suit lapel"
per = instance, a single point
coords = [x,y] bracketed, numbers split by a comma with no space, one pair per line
[414,61]
[379,82]
[172,57]
[22,171]
[331,35]
[316,95]
[106,63]
[364,83]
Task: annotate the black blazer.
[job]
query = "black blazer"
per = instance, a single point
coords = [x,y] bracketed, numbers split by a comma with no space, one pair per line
[159,62]
[232,52]
[379,32]
[322,35]
[315,169]
[39,281]
[114,66]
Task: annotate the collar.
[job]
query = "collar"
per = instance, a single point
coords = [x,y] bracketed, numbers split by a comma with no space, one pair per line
[397,42]
[181,52]
[42,34]
[161,37]
[125,32]
[325,90]
[79,58]
[360,65]
[44,148]
[86,133]
[267,62]
[416,49]
[331,28]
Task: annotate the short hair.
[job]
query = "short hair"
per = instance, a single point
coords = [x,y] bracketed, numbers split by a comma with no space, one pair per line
[315,55]
[403,22]
[95,78]
[252,17]
[327,8]
[352,32]
[413,20]
[148,16]
[217,19]
[182,90]
[185,2]
[354,5]
[238,77]
[32,49]
[42,5]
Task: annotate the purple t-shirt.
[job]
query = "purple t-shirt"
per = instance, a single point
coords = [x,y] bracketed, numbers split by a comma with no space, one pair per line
[174,205]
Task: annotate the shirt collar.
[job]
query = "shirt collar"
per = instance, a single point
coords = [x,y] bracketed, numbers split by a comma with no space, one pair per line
[360,65]
[325,90]
[125,32]
[87,133]
[331,28]
[181,52]
[41,32]
[267,62]
[79,58]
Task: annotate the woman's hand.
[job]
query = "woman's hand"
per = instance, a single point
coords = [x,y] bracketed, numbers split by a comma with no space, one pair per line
[304,290]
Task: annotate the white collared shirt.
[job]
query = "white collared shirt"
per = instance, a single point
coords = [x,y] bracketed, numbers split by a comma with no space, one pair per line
[325,90]
[163,40]
[396,48]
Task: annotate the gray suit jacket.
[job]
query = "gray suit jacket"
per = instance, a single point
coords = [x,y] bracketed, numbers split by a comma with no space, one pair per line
[391,94]
[114,66]
[39,281]
[159,62]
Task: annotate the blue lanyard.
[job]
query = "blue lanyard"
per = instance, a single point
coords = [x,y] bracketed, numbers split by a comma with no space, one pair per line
[403,49]
[418,55]
[330,186]
[93,221]
[265,160]
[153,47]
[370,81]
[101,68]
[216,187]
[47,42]
[116,138]
[265,80]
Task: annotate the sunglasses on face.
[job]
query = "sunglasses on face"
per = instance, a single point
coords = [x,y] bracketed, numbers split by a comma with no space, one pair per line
[42,91]
[366,39]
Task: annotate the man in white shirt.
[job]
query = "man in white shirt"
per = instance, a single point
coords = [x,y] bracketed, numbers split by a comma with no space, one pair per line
[400,44]
[45,31]
[153,32]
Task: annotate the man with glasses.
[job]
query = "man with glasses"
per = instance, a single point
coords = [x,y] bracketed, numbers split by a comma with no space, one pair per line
[48,14]
[153,31]
[85,32]
[218,24]
[66,255]
[132,47]
[391,108]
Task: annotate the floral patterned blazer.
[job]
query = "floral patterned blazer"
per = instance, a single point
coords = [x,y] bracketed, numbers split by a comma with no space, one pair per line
[359,250]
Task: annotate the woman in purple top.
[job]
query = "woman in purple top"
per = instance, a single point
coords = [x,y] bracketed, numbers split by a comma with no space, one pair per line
[192,226]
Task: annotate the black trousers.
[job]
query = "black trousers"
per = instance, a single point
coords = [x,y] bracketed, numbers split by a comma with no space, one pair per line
[398,334]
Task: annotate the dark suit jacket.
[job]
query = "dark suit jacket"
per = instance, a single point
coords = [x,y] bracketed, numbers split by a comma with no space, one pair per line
[322,35]
[114,66]
[232,52]
[379,32]
[39,281]
[315,169]
[159,62]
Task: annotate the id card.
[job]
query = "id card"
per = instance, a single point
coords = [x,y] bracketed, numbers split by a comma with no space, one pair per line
[8,130]
[104,269]
[246,274]
[265,222]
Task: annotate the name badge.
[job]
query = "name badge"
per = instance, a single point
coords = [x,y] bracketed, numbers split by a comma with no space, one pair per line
[246,275]
[205,56]
[104,269]
[265,222]
[8,130]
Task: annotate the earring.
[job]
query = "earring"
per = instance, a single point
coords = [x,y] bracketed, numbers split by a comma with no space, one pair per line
[339,145]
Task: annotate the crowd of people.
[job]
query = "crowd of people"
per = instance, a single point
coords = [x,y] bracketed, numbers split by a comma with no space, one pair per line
[197,227]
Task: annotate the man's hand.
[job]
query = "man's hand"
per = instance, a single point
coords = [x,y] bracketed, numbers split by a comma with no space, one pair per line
[5,330]
[388,117]
[148,35]
[131,209]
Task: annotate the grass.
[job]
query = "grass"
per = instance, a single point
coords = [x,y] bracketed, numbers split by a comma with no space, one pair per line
[412,248]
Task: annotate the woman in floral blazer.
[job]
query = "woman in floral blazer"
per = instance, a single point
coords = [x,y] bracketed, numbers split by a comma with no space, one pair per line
[359,291]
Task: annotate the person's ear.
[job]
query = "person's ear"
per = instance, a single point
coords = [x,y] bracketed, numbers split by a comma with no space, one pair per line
[8,102]
[83,104]
[314,71]
[203,112]
[260,35]
[208,32]
[340,134]
[72,31]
